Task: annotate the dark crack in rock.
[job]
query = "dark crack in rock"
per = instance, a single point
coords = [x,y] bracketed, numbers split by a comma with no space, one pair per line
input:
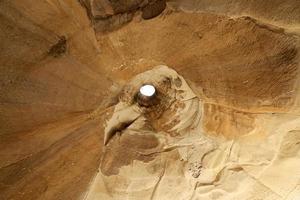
[153,9]
[59,48]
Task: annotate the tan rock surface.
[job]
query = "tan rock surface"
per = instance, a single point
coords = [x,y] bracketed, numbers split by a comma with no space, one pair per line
[227,124]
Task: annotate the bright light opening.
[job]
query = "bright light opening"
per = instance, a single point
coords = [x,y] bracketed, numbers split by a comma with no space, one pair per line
[147,90]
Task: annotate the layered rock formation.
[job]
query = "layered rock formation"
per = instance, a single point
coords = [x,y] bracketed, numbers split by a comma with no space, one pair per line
[228,125]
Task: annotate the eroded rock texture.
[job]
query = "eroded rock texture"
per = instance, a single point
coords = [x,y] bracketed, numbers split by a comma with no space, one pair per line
[108,15]
[226,125]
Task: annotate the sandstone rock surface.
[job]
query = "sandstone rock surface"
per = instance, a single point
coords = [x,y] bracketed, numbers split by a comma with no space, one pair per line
[227,125]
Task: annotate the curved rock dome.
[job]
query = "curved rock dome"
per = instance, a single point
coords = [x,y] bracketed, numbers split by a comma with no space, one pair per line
[224,122]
